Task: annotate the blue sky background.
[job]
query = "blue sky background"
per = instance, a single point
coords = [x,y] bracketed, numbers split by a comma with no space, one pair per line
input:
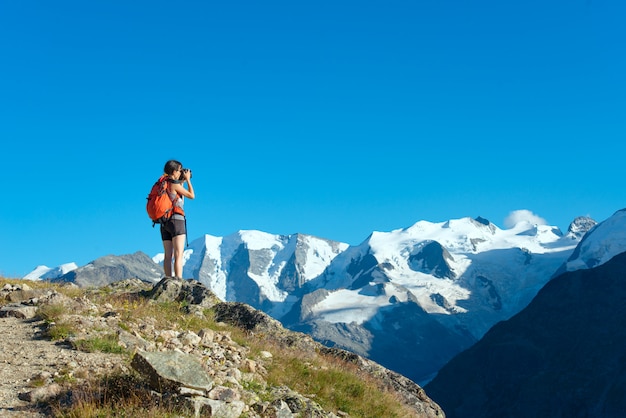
[330,118]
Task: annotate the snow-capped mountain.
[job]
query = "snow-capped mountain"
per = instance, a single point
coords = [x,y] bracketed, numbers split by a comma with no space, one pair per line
[44,272]
[429,291]
[607,240]
[261,269]
[457,267]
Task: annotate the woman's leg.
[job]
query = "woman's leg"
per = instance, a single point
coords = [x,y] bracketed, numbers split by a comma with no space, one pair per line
[178,242]
[167,261]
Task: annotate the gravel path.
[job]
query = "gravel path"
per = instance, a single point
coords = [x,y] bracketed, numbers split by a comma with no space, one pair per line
[24,356]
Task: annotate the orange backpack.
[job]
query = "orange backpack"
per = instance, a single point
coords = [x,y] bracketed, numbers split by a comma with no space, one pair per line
[160,207]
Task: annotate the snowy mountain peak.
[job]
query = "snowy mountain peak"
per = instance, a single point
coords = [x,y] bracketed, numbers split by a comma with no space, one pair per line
[600,243]
[580,226]
[44,272]
[258,267]
[255,240]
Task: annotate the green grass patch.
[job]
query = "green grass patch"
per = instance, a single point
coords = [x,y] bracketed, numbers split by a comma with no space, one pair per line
[51,313]
[58,331]
[107,343]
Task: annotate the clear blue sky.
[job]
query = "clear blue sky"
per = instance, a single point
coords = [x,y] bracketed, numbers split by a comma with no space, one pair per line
[330,118]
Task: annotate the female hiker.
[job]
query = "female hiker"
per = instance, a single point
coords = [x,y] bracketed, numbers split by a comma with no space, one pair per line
[174,231]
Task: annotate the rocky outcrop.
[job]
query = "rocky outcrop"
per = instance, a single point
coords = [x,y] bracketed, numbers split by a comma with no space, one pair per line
[172,289]
[431,257]
[580,226]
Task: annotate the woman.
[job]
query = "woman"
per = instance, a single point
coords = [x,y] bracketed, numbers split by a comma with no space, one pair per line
[174,231]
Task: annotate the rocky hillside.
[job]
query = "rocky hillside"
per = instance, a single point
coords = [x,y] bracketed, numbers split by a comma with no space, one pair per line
[175,348]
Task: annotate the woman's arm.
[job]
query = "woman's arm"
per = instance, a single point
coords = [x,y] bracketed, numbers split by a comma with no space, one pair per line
[178,187]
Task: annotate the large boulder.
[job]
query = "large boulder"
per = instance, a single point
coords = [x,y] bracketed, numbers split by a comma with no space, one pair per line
[172,371]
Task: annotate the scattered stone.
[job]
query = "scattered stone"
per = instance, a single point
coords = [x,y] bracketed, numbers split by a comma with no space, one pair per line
[133,342]
[41,394]
[206,336]
[189,338]
[18,311]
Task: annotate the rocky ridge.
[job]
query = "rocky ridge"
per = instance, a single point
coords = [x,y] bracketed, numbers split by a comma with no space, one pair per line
[204,373]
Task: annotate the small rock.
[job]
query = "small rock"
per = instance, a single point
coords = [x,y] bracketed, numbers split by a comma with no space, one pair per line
[18,311]
[41,394]
[207,336]
[189,338]
[222,393]
[250,365]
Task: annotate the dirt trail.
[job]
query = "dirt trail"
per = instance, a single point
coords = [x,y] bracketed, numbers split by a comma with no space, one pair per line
[23,358]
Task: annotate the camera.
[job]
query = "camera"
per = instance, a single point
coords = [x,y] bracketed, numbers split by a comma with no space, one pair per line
[184,170]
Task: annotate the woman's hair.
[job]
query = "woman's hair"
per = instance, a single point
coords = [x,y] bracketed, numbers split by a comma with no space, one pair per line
[171,166]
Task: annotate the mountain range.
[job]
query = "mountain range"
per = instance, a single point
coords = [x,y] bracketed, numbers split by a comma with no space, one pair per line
[564,355]
[409,299]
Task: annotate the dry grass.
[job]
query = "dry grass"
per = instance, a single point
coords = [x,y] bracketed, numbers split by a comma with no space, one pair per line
[335,384]
[114,396]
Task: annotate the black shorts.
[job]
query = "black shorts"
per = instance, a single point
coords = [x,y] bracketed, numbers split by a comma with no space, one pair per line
[172,228]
